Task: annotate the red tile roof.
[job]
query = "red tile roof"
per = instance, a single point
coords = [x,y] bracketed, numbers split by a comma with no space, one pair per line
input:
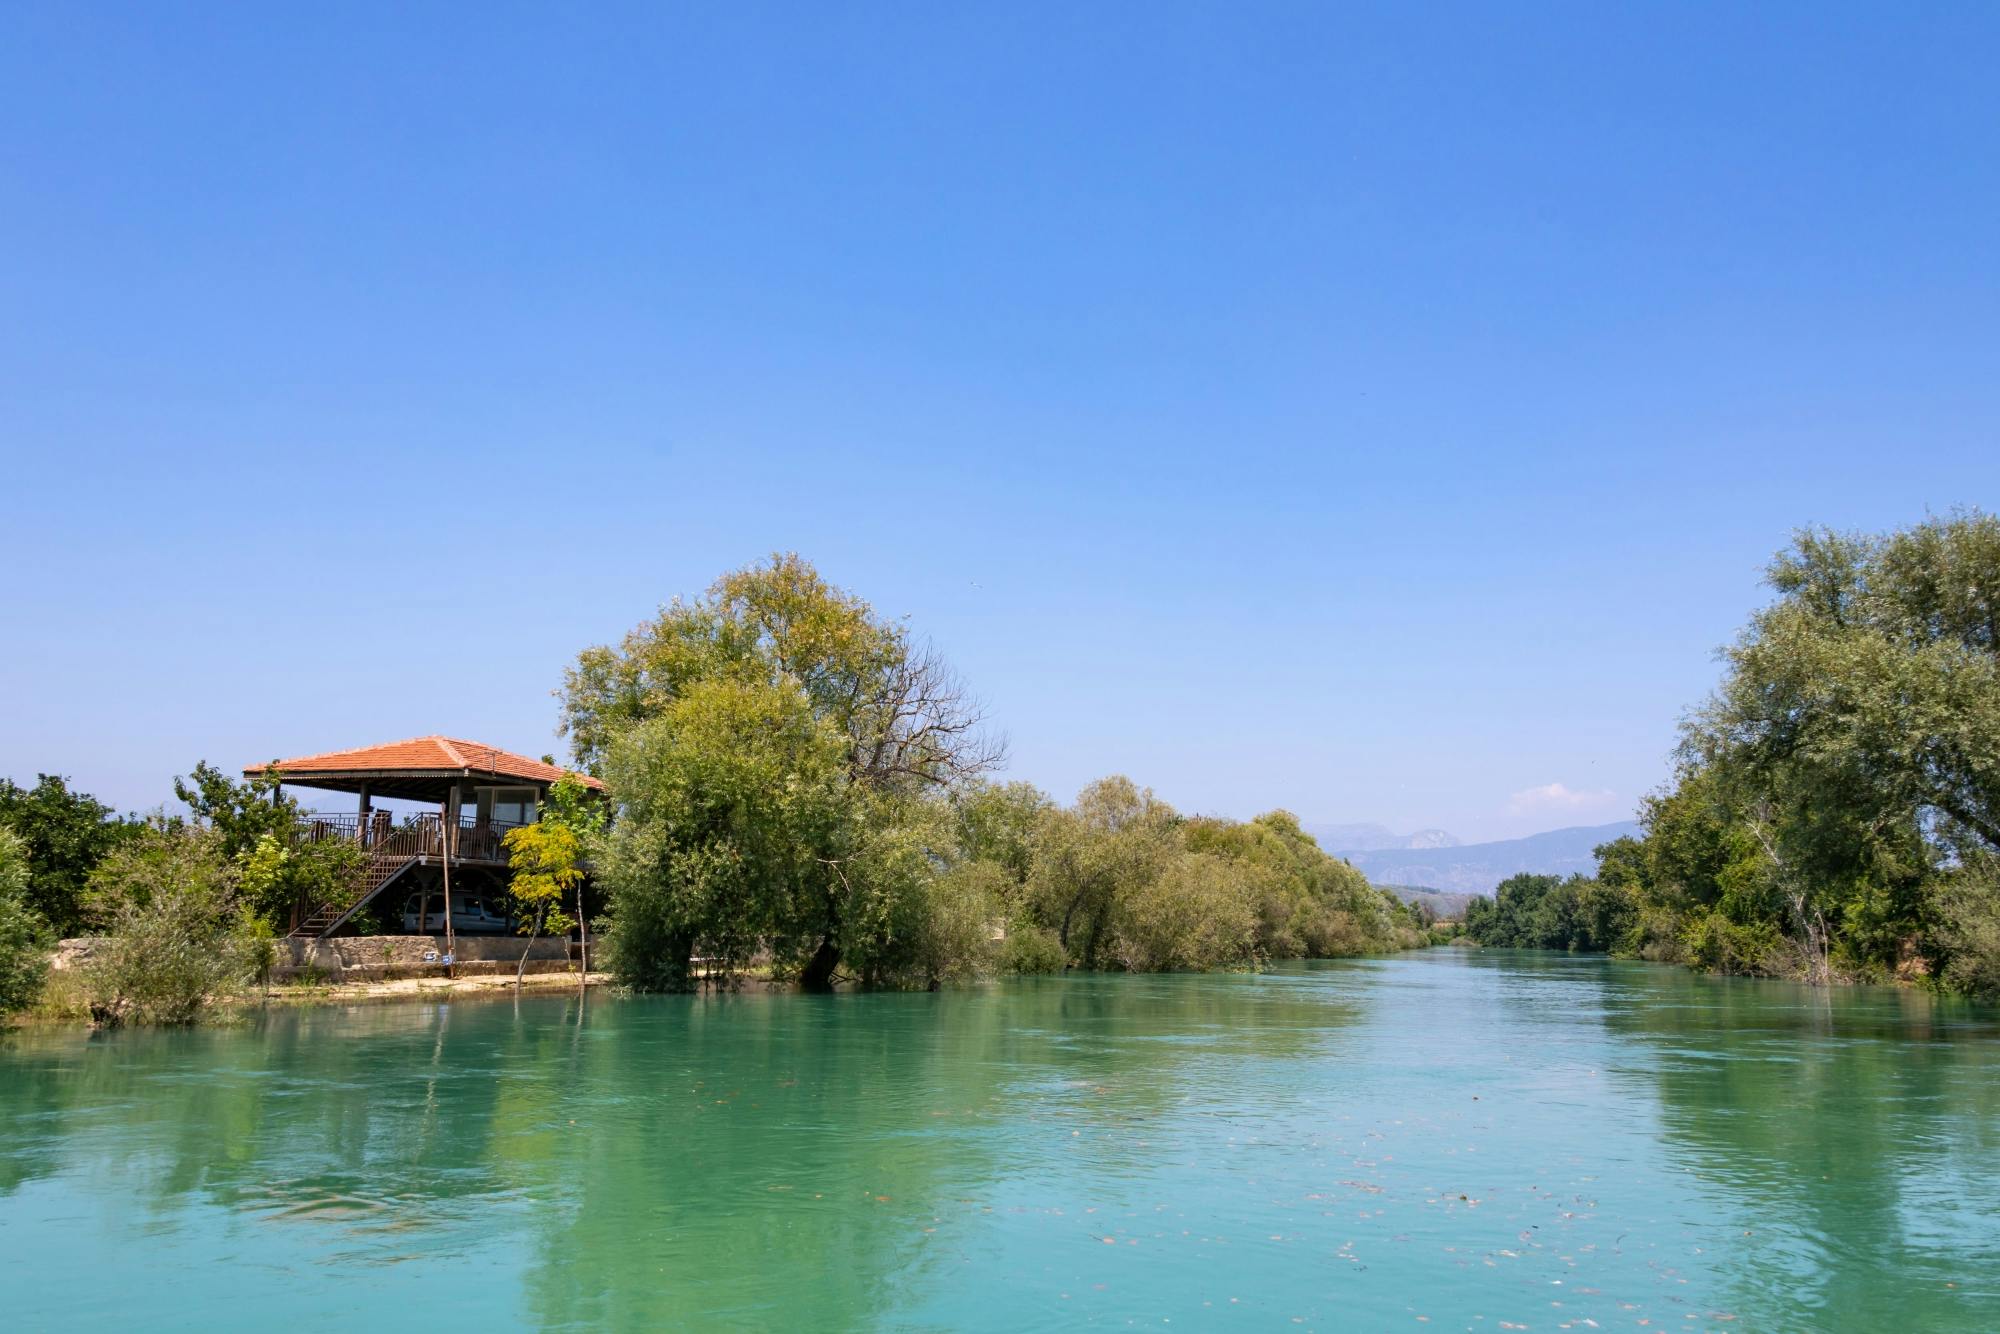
[424,754]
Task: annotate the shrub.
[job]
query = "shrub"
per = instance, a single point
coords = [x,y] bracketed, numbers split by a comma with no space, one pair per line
[1335,933]
[178,935]
[1713,942]
[955,941]
[1657,938]
[279,876]
[1031,949]
[1969,935]
[1196,916]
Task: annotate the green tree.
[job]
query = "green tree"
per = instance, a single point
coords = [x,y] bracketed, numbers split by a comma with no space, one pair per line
[256,827]
[998,822]
[1968,911]
[1854,744]
[241,812]
[867,724]
[546,865]
[67,834]
[1093,856]
[1196,913]
[24,945]
[733,817]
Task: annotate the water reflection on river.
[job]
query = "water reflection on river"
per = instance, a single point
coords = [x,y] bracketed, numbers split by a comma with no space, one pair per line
[1443,1140]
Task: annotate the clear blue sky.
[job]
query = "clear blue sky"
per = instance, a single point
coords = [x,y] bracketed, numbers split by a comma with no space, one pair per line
[1379,411]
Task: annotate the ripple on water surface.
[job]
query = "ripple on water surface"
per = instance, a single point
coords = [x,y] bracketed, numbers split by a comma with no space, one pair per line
[1447,1140]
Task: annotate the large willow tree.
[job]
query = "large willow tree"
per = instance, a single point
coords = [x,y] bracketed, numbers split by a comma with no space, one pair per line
[775,748]
[1843,784]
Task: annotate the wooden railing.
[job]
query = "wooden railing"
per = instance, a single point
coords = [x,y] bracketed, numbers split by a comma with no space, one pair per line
[418,835]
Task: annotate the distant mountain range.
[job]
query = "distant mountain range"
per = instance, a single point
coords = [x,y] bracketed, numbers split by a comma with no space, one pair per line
[1475,868]
[1373,837]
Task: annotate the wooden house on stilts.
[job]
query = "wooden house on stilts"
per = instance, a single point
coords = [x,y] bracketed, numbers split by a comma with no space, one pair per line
[471,795]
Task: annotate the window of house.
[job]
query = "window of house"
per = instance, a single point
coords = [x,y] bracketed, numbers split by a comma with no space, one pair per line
[508,805]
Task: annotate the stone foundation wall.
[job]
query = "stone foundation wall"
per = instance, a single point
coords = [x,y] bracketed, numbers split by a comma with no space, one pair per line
[74,952]
[381,958]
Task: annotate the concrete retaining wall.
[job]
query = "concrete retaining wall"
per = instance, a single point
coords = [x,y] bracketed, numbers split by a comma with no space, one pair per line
[379,958]
[384,958]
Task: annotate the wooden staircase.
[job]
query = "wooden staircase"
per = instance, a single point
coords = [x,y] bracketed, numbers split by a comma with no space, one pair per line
[384,866]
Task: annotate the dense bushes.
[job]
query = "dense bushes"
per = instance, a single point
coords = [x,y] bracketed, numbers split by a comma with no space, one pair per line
[178,934]
[183,910]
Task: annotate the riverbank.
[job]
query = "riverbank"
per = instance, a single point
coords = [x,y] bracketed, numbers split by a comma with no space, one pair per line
[421,988]
[64,1006]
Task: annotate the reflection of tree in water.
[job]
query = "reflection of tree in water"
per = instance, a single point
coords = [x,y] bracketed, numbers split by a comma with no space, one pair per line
[665,1156]
[1853,1131]
[744,1150]
[329,1114]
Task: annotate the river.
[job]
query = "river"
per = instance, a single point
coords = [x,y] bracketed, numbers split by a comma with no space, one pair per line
[1446,1140]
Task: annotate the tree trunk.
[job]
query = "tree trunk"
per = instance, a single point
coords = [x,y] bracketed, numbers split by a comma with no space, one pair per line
[521,971]
[817,975]
[676,970]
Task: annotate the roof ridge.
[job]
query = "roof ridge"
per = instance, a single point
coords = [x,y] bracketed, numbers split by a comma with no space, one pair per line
[450,750]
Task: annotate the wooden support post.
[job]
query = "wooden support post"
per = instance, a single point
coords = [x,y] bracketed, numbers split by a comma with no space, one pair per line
[448,844]
[583,942]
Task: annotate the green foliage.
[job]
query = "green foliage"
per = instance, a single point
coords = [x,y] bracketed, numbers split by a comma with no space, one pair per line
[1854,746]
[1713,941]
[951,937]
[1581,913]
[242,813]
[1122,880]
[255,826]
[998,822]
[796,781]
[24,943]
[1092,859]
[778,753]
[67,834]
[733,822]
[278,875]
[1031,949]
[1838,798]
[1199,912]
[179,937]
[1968,935]
[546,862]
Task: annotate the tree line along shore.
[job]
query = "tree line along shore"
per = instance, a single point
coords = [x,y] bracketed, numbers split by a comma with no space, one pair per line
[799,787]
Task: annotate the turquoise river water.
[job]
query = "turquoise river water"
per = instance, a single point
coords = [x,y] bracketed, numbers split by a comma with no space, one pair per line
[1447,1140]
